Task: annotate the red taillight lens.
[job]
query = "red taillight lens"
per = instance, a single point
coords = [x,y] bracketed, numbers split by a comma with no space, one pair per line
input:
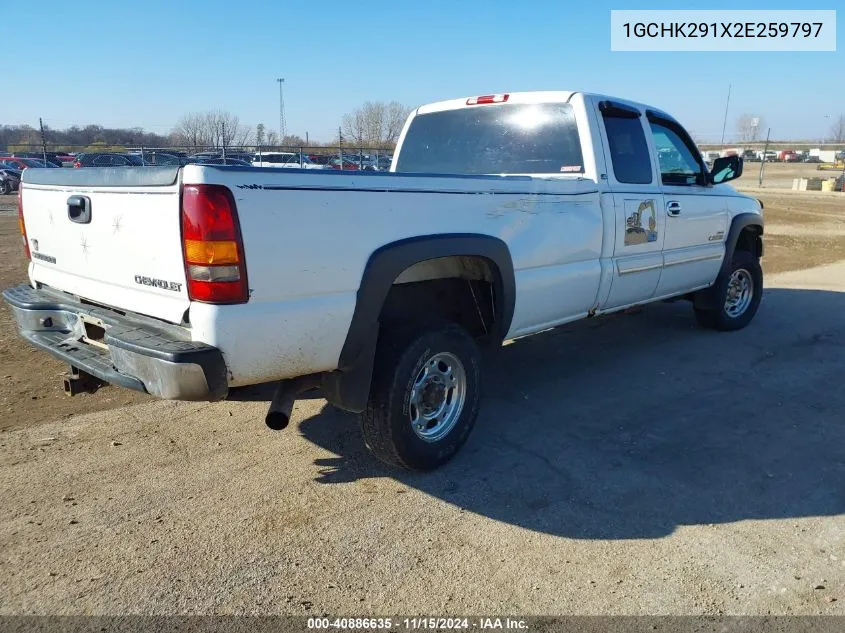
[77,164]
[21,224]
[212,245]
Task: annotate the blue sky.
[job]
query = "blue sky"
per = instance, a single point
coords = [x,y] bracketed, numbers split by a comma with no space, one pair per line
[146,63]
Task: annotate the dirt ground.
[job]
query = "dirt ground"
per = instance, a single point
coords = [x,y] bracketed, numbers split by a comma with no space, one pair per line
[780,175]
[633,464]
[30,380]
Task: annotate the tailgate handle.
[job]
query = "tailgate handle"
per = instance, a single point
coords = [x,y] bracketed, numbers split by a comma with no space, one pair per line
[79,209]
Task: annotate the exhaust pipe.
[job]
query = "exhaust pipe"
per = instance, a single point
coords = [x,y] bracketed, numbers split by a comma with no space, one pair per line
[278,415]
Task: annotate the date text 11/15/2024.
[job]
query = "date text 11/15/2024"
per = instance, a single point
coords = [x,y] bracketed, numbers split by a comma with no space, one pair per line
[417,623]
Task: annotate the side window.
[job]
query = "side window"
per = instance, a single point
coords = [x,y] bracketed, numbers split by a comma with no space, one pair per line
[678,164]
[628,150]
[102,160]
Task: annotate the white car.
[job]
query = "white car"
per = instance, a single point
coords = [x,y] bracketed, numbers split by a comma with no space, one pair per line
[291,160]
[503,215]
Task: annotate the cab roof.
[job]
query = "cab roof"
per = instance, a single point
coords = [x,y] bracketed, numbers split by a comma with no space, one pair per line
[537,96]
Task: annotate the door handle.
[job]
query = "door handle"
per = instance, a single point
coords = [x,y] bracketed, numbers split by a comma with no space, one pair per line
[79,209]
[673,208]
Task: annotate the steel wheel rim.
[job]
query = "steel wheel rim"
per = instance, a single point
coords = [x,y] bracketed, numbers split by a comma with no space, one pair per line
[437,397]
[740,293]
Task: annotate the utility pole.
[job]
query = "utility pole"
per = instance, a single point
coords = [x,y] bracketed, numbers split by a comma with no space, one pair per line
[223,139]
[725,122]
[763,162]
[43,141]
[282,131]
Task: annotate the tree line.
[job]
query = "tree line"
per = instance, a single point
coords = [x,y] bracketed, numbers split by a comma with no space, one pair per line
[752,128]
[374,125]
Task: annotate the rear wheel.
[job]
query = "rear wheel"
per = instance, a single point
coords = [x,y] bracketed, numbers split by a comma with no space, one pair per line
[5,187]
[424,396]
[737,294]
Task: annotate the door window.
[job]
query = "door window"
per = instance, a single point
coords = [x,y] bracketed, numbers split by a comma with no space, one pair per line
[678,165]
[628,149]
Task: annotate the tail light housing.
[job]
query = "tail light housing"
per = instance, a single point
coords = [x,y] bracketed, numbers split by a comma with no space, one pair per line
[21,224]
[77,163]
[212,245]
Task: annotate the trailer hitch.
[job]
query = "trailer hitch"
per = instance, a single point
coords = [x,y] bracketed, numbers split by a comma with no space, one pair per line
[80,381]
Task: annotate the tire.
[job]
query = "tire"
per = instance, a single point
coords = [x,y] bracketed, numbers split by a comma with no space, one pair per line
[5,188]
[411,382]
[737,293]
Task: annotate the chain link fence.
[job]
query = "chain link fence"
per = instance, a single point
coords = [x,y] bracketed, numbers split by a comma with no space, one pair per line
[345,157]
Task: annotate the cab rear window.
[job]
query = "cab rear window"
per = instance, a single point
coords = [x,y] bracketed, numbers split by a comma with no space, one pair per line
[537,138]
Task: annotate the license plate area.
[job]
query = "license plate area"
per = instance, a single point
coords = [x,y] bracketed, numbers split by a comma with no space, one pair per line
[94,331]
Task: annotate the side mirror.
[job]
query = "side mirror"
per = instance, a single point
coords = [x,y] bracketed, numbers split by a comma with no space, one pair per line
[725,169]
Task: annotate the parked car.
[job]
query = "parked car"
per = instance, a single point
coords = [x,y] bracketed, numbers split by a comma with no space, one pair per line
[292,160]
[23,163]
[201,156]
[320,159]
[107,159]
[220,161]
[53,158]
[159,158]
[9,180]
[383,290]
[346,165]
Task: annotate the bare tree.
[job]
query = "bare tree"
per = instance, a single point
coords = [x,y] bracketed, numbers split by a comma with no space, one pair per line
[272,138]
[748,131]
[293,140]
[837,130]
[259,134]
[212,129]
[375,124]
[190,131]
[395,121]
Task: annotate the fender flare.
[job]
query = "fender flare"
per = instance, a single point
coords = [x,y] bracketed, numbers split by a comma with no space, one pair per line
[738,224]
[348,387]
[706,299]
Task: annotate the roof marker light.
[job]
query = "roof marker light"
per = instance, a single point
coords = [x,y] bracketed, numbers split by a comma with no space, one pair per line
[501,98]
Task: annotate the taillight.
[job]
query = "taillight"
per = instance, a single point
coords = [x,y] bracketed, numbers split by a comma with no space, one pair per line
[487,99]
[21,224]
[212,245]
[77,164]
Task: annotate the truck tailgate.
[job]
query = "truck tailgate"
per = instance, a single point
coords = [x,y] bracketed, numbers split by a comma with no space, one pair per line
[108,235]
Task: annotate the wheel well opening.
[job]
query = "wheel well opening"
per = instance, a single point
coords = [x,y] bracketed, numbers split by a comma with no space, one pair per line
[749,240]
[461,289]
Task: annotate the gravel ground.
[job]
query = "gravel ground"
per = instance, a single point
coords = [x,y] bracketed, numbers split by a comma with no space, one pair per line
[633,464]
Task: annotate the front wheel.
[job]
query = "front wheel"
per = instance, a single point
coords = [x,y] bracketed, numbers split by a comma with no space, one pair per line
[5,187]
[737,294]
[424,396]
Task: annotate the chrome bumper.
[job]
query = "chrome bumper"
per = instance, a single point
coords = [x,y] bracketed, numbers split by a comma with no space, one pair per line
[135,351]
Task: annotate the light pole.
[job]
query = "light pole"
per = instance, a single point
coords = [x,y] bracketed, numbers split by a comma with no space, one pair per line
[827,117]
[281,81]
[725,122]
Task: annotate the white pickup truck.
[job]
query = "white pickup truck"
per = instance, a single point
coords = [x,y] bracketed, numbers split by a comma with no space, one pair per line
[504,215]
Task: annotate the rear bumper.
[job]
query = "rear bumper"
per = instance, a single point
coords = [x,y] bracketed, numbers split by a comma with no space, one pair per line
[136,352]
